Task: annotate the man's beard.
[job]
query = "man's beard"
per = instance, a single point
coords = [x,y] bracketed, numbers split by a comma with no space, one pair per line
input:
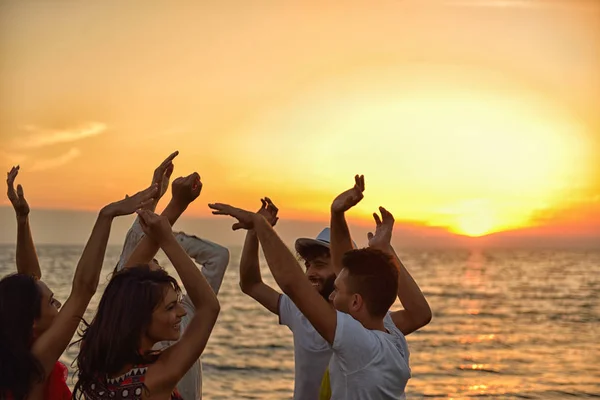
[328,286]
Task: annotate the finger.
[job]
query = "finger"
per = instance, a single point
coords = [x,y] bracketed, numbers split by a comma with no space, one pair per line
[169,159]
[169,170]
[370,235]
[386,215]
[20,192]
[377,219]
[219,212]
[360,182]
[275,221]
[271,204]
[264,204]
[237,226]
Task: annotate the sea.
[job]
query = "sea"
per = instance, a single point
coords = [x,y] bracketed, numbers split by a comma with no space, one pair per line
[506,324]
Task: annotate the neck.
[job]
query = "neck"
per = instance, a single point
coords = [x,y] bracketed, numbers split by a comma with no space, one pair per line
[371,323]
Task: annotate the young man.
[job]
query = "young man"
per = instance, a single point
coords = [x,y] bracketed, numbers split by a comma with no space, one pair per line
[370,355]
[311,352]
[212,257]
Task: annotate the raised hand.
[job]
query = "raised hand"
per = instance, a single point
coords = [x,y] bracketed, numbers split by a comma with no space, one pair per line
[382,239]
[162,174]
[130,204]
[245,218]
[269,211]
[350,197]
[17,197]
[186,189]
[155,226]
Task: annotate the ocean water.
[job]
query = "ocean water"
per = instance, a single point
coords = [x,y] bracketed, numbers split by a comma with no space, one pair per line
[506,325]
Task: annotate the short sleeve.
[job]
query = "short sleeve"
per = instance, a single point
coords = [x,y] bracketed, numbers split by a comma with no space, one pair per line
[288,312]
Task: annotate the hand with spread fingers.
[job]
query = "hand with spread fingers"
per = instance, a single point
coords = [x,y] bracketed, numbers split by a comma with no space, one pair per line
[17,198]
[269,210]
[131,203]
[162,174]
[186,189]
[155,226]
[245,218]
[350,197]
[382,239]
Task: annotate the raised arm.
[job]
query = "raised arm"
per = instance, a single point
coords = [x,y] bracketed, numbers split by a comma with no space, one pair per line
[251,281]
[160,177]
[173,363]
[341,242]
[286,270]
[51,344]
[185,191]
[27,261]
[417,312]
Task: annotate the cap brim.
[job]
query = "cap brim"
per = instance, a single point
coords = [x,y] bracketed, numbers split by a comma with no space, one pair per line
[304,243]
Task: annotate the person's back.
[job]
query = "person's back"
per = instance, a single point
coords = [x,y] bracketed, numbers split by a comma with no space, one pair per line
[368,364]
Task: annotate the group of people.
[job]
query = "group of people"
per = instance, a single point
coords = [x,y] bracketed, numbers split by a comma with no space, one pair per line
[146,337]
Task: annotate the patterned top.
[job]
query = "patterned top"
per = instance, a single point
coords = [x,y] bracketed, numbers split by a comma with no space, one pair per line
[128,386]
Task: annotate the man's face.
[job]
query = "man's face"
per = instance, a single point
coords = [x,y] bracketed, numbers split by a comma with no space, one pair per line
[319,272]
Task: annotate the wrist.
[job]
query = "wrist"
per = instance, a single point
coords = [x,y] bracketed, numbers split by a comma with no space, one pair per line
[177,205]
[22,219]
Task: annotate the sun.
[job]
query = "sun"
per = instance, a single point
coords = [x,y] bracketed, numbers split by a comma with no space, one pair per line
[471,153]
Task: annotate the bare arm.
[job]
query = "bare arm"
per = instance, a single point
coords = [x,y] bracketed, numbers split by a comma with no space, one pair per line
[147,247]
[250,279]
[173,363]
[341,242]
[26,258]
[51,344]
[185,190]
[417,312]
[290,278]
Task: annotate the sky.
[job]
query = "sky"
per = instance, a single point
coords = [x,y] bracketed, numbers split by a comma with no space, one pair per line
[468,118]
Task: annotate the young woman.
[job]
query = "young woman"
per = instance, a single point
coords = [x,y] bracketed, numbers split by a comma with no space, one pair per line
[33,332]
[139,308]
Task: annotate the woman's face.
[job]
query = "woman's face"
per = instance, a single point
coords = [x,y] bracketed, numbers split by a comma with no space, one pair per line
[166,318]
[48,310]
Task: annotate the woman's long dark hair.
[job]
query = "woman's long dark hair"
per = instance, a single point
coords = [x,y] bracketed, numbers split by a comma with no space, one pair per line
[112,340]
[20,306]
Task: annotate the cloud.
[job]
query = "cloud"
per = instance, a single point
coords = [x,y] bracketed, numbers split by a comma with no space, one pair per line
[43,165]
[13,158]
[537,4]
[41,137]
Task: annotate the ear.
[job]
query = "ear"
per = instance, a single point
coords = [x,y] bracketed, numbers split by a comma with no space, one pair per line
[357,302]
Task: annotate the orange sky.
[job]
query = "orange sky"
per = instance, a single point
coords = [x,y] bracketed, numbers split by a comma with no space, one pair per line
[473,115]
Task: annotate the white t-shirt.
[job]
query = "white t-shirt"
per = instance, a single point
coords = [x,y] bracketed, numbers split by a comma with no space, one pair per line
[311,352]
[368,364]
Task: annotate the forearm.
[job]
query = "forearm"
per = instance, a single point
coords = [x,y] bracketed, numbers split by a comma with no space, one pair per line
[87,273]
[196,286]
[26,258]
[281,261]
[409,293]
[249,265]
[341,242]
[148,247]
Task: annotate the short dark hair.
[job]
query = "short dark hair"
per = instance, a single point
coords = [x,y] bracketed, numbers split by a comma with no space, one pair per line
[309,253]
[373,275]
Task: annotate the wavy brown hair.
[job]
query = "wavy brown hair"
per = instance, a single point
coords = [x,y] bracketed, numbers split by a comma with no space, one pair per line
[112,339]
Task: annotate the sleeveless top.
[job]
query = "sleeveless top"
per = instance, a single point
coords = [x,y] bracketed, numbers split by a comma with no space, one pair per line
[129,386]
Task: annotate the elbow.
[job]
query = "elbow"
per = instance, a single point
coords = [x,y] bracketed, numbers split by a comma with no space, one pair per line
[426,317]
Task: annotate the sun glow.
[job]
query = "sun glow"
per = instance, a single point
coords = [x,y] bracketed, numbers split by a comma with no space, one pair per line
[474,161]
